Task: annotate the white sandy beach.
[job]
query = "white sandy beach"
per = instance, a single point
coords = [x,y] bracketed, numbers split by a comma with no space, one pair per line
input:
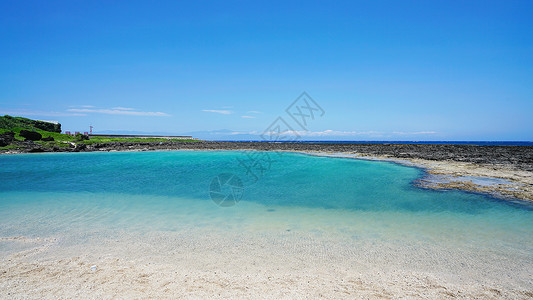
[271,255]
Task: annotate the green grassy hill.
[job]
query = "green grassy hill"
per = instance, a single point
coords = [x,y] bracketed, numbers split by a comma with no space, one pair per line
[16,124]
[9,122]
[46,129]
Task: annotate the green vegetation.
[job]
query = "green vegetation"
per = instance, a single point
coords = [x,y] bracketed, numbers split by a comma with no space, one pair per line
[45,134]
[97,139]
[16,124]
[8,122]
[51,144]
[10,147]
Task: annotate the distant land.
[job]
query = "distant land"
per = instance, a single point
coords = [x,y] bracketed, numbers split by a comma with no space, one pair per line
[511,161]
[477,143]
[18,134]
[227,135]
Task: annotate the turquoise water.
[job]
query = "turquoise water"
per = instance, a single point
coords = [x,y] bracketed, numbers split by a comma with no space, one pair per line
[292,180]
[80,196]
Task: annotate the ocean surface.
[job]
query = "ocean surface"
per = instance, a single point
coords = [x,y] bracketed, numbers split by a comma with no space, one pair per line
[344,211]
[477,143]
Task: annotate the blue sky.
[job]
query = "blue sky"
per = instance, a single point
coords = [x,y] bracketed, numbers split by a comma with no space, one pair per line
[381,70]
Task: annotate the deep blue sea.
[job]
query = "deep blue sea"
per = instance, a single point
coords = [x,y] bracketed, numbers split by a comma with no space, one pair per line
[477,143]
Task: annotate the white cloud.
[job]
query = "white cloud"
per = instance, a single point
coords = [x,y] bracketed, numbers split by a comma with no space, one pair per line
[225,132]
[53,122]
[371,134]
[413,133]
[330,132]
[84,106]
[223,112]
[248,117]
[115,111]
[23,112]
[253,112]
[123,108]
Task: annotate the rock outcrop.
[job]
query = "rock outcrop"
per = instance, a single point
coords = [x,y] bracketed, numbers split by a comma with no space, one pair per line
[30,135]
[80,147]
[82,137]
[6,138]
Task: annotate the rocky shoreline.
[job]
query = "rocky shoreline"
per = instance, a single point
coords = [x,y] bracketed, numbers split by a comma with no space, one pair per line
[466,167]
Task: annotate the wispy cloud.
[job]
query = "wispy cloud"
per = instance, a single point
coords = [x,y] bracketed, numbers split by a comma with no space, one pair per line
[82,110]
[413,133]
[84,106]
[330,132]
[119,111]
[248,117]
[253,112]
[223,112]
[25,112]
[123,108]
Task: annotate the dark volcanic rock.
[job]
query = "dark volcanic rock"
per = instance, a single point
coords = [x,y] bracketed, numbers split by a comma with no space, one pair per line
[4,142]
[35,150]
[47,126]
[6,138]
[48,139]
[82,137]
[30,135]
[80,147]
[8,135]
[31,147]
[517,157]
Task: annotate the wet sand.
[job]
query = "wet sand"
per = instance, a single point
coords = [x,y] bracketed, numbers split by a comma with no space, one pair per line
[287,265]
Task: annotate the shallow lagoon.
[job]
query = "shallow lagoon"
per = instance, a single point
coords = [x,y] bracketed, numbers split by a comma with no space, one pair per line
[363,215]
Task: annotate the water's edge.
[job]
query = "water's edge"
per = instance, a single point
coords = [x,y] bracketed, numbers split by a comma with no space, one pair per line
[428,180]
[516,185]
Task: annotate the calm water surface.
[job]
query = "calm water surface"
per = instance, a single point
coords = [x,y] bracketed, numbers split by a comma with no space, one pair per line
[52,194]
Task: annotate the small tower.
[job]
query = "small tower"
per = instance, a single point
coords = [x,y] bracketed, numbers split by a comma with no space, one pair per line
[91,129]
